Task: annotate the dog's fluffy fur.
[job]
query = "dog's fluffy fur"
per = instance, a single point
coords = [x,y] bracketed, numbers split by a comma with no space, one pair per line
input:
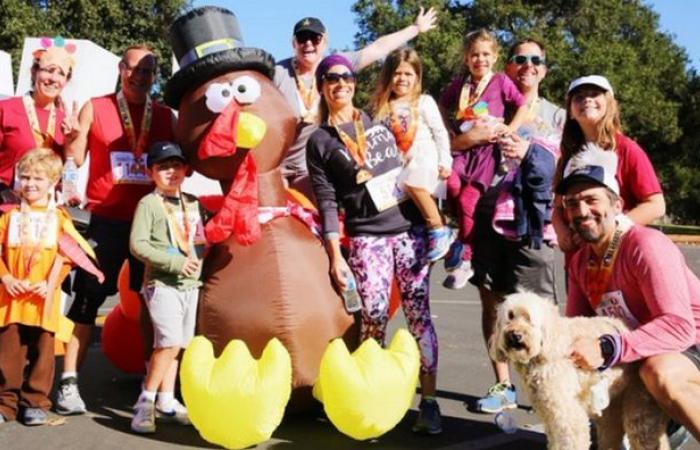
[532,334]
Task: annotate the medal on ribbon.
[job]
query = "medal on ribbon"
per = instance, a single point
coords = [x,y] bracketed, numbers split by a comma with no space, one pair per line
[138,146]
[42,139]
[357,149]
[467,98]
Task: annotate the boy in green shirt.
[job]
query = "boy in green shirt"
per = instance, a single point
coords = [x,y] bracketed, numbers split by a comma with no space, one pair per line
[167,234]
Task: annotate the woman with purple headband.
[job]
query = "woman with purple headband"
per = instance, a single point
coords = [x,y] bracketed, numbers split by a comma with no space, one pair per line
[353,164]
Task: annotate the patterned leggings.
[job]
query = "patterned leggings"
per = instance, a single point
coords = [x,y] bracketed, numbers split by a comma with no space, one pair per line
[375,261]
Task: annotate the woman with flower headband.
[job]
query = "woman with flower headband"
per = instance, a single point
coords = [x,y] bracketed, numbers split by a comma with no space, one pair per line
[38,119]
[354,165]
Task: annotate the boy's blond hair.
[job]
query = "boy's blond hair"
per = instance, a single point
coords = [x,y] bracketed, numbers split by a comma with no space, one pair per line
[41,160]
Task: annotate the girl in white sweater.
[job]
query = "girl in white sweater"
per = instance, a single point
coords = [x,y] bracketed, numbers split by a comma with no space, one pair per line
[421,136]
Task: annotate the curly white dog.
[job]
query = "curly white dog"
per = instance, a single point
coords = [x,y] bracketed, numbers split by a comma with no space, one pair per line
[532,334]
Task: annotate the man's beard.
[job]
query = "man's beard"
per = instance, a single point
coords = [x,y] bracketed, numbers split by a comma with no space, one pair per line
[590,235]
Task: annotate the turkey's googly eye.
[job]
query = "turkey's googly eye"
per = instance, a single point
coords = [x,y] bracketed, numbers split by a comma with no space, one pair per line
[218,96]
[246,90]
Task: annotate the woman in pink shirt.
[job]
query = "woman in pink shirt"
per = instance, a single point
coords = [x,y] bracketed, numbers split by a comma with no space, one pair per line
[593,120]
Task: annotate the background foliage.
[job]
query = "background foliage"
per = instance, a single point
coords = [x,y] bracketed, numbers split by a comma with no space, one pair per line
[621,39]
[112,24]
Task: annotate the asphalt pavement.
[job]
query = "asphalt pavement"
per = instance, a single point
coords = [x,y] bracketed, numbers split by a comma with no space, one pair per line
[464,374]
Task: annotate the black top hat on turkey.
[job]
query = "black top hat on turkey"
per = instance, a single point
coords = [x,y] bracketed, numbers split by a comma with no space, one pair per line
[207,43]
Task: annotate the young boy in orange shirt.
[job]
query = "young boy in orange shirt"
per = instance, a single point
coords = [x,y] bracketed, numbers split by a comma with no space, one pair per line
[38,243]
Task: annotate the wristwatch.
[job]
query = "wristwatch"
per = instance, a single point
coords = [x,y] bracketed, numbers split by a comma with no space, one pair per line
[607,350]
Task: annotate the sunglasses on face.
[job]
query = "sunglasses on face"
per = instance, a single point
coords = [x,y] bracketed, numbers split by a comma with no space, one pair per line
[333,78]
[536,60]
[304,36]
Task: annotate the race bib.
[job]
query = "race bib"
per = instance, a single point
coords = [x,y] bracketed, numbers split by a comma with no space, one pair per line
[128,170]
[37,219]
[612,304]
[384,190]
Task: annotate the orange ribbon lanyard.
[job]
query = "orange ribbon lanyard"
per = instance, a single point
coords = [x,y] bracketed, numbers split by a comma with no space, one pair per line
[467,99]
[180,235]
[308,96]
[27,243]
[404,132]
[42,139]
[139,146]
[599,273]
[358,150]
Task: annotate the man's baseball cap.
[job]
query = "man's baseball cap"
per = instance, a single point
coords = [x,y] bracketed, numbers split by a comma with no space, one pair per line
[310,24]
[592,80]
[160,151]
[592,164]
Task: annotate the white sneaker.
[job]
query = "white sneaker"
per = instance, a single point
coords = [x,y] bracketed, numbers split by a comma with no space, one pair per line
[459,276]
[175,412]
[144,420]
[68,401]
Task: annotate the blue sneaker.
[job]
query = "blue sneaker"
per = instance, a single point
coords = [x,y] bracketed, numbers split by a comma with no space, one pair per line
[499,397]
[454,256]
[34,416]
[439,240]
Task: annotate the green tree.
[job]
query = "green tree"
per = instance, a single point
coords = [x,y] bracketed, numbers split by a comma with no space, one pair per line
[440,49]
[113,24]
[682,176]
[616,38]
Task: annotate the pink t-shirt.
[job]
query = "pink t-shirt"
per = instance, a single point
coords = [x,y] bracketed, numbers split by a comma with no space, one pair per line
[635,174]
[657,286]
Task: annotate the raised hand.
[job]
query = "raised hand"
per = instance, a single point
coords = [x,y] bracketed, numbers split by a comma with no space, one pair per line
[426,20]
[71,125]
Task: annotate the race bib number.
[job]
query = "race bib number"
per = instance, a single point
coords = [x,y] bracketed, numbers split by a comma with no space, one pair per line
[128,170]
[37,221]
[612,304]
[384,190]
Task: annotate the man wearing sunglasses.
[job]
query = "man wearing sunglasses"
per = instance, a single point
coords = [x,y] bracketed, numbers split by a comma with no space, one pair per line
[502,265]
[295,78]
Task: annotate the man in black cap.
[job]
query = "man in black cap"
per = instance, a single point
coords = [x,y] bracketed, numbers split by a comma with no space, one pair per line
[639,276]
[295,78]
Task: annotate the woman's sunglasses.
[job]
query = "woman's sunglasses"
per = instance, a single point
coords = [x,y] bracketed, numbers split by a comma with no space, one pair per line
[308,36]
[536,60]
[333,78]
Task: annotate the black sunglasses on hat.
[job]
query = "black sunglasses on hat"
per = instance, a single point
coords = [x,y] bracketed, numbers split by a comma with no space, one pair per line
[536,60]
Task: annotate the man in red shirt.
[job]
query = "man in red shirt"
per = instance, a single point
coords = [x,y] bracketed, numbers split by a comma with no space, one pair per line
[117,129]
[639,276]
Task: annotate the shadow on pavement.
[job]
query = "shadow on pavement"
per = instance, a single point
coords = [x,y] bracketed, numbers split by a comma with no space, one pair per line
[309,433]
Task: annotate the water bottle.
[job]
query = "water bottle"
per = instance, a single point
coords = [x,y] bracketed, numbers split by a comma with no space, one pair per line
[351,297]
[506,422]
[69,182]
